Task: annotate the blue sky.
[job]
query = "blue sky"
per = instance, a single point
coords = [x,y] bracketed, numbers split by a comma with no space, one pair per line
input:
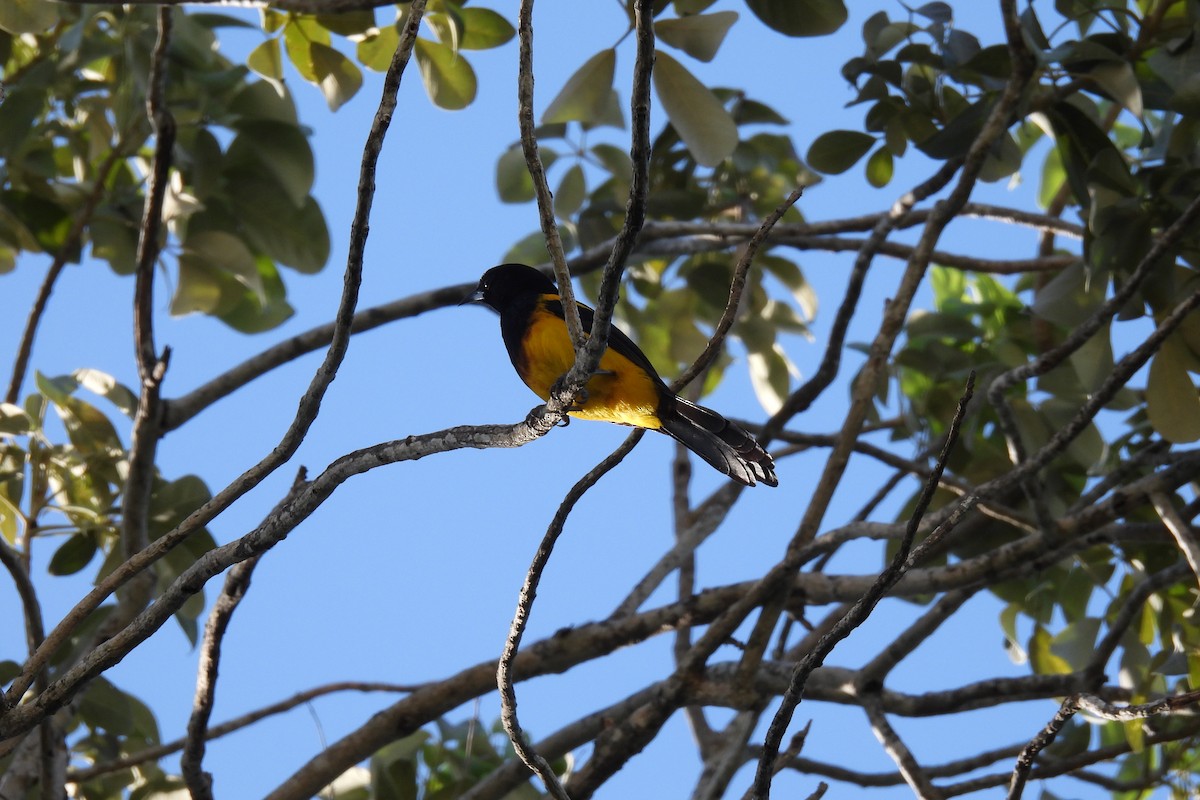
[410,572]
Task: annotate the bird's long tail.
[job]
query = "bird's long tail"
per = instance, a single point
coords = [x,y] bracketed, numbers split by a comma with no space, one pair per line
[723,444]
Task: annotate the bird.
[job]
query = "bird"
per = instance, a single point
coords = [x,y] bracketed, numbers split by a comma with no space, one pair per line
[625,389]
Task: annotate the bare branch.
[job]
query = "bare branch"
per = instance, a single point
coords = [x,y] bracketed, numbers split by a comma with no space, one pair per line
[236,724]
[913,773]
[736,286]
[860,611]
[1097,707]
[1179,529]
[537,172]
[199,782]
[504,671]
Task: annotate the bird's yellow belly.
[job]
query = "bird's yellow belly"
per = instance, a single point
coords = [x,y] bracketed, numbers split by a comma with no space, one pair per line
[620,392]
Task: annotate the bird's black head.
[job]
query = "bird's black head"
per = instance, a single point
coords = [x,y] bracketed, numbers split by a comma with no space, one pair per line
[500,285]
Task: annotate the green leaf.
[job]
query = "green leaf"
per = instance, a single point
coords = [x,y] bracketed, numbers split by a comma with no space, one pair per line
[1042,658]
[376,51]
[837,151]
[295,237]
[22,107]
[448,78]
[800,17]
[106,386]
[571,191]
[394,768]
[223,251]
[1171,399]
[695,112]
[879,168]
[1119,82]
[13,419]
[699,36]
[74,554]
[299,34]
[484,29]
[267,60]
[337,75]
[277,148]
[27,16]
[513,182]
[348,23]
[586,93]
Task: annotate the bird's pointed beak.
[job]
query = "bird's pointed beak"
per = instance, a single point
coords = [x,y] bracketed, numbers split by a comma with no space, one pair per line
[476,296]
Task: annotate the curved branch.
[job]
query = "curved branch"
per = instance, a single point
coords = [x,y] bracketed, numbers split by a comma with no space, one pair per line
[236,724]
[504,670]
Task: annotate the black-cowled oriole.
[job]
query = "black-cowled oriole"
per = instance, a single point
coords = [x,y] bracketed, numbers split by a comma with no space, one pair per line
[625,390]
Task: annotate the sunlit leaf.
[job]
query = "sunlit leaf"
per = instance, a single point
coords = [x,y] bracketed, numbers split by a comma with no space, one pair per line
[879,168]
[484,29]
[337,75]
[376,51]
[27,16]
[448,78]
[266,60]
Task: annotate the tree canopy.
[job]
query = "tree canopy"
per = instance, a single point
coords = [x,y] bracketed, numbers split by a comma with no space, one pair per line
[999,433]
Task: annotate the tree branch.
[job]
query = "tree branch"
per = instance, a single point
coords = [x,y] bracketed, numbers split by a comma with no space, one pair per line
[859,612]
[504,670]
[198,781]
[309,404]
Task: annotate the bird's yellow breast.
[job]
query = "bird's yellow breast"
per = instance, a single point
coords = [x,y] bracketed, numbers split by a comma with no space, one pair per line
[620,392]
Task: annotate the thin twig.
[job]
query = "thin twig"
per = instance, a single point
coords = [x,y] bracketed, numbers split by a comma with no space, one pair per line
[1097,707]
[236,724]
[1179,529]
[912,772]
[859,612]
[1087,329]
[504,671]
[191,764]
[537,172]
[736,286]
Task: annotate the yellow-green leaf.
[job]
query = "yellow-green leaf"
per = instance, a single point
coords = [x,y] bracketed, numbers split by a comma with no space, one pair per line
[337,75]
[27,16]
[699,35]
[448,78]
[879,168]
[586,93]
[702,122]
[484,29]
[376,51]
[1171,399]
[266,60]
